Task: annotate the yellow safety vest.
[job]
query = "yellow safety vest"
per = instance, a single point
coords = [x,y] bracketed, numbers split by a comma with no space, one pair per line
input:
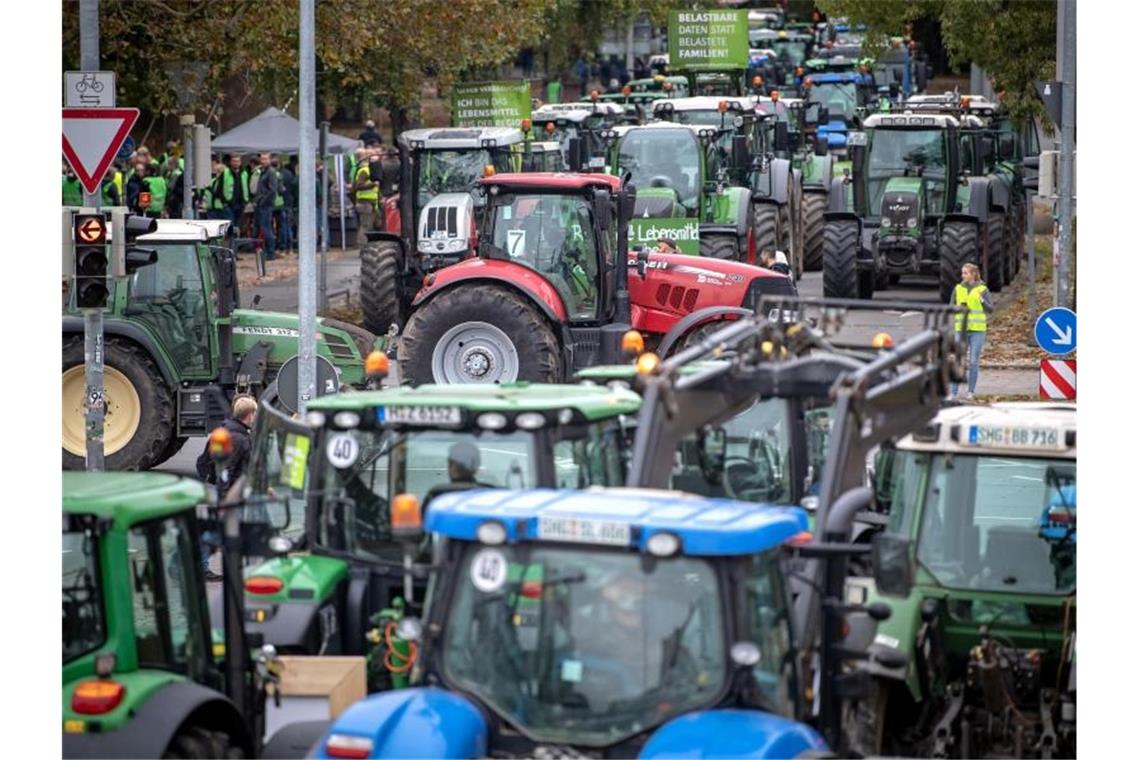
[972,300]
[372,192]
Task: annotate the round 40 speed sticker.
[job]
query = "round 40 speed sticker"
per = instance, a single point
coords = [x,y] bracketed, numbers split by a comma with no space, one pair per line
[342,450]
[488,570]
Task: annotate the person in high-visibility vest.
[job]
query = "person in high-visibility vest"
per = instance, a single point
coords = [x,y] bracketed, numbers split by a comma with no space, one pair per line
[972,293]
[153,193]
[72,189]
[367,194]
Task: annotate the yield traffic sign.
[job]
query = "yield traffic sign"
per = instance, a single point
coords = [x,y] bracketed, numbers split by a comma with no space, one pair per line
[92,137]
[1056,330]
[90,229]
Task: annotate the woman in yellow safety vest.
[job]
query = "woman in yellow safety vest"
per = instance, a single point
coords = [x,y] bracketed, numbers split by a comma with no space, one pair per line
[972,293]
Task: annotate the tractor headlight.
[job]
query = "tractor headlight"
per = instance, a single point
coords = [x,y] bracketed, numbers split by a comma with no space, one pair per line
[424,246]
[456,245]
[912,222]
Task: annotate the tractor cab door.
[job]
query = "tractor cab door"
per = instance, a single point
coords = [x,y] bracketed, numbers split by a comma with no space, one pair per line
[170,298]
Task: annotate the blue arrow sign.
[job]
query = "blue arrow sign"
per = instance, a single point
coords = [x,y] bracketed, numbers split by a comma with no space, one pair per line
[1056,331]
[127,149]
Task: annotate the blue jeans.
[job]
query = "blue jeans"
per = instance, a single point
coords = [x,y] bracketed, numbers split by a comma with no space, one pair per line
[210,540]
[285,227]
[265,224]
[974,341]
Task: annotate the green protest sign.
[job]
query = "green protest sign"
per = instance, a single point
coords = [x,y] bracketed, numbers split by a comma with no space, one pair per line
[708,38]
[490,104]
[295,461]
[686,233]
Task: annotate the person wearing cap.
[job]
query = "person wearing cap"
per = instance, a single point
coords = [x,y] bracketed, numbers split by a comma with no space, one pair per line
[369,136]
[462,465]
[666,245]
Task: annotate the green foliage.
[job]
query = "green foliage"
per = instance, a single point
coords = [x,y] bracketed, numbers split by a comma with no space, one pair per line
[1013,40]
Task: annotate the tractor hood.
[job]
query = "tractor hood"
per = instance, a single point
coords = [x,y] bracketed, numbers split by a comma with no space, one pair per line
[657,203]
[342,344]
[901,205]
[732,733]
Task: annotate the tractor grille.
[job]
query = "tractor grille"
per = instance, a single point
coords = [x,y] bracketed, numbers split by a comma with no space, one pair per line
[677,297]
[441,219]
[360,337]
[897,209]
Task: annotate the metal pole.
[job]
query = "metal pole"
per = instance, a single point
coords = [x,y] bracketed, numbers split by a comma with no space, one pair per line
[340,192]
[1031,257]
[188,167]
[306,278]
[323,217]
[94,400]
[1067,9]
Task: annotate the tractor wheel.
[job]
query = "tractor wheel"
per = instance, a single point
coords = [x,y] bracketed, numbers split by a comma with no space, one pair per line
[765,226]
[957,246]
[139,417]
[699,333]
[722,247]
[478,334]
[813,207]
[379,285]
[840,247]
[995,253]
[1014,242]
[197,742]
[864,721]
[172,447]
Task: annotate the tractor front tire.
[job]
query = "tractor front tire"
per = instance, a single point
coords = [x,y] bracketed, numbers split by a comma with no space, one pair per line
[722,247]
[957,245]
[139,415]
[379,285]
[840,248]
[814,205]
[765,227]
[478,334]
[198,742]
[995,252]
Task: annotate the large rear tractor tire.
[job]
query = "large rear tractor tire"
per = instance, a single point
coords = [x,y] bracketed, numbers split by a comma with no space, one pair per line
[478,334]
[1014,241]
[139,416]
[957,246]
[814,205]
[995,252]
[788,242]
[379,285]
[765,227]
[722,247]
[197,742]
[840,248]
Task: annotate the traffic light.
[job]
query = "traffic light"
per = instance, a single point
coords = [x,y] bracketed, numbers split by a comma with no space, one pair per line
[91,289]
[125,228]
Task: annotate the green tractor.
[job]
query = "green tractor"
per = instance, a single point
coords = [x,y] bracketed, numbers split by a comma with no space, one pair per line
[178,347]
[142,674]
[575,126]
[918,200]
[982,517]
[342,473]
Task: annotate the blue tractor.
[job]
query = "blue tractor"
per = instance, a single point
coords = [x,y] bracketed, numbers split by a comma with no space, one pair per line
[609,622]
[842,94]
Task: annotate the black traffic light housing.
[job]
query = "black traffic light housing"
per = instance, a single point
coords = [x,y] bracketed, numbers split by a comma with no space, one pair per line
[90,235]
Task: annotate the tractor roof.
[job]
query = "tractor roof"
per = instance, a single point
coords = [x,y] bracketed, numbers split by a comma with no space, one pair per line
[705,103]
[593,402]
[553,181]
[451,138]
[623,129]
[705,527]
[129,497]
[909,120]
[840,77]
[186,230]
[574,111]
[957,429]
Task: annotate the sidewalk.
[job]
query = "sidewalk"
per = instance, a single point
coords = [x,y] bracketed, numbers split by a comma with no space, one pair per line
[278,288]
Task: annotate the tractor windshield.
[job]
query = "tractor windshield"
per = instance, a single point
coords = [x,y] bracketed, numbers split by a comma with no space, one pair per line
[83,625]
[553,235]
[991,522]
[664,158]
[840,99]
[710,118]
[906,152]
[792,52]
[585,645]
[456,171]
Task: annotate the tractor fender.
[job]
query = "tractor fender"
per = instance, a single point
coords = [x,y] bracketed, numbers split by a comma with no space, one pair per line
[897,633]
[821,174]
[843,216]
[375,236]
[837,197]
[978,206]
[999,195]
[780,170]
[526,281]
[149,732]
[695,320]
[130,331]
[732,733]
[734,207]
[415,722]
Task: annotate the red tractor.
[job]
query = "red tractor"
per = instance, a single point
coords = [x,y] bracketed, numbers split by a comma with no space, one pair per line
[552,291]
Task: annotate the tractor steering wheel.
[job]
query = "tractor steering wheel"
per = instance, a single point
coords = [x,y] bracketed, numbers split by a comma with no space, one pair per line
[660,180]
[747,479]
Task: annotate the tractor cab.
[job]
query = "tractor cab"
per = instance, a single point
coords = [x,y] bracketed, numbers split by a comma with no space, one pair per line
[669,86]
[344,472]
[612,622]
[715,80]
[843,95]
[790,50]
[564,122]
[982,506]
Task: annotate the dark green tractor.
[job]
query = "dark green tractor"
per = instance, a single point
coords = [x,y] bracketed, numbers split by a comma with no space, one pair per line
[917,201]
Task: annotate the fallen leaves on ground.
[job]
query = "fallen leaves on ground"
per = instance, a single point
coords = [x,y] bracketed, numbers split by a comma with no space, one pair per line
[284,267]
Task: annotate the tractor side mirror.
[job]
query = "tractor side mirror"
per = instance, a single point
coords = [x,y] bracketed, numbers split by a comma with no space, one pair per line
[893,569]
[574,148]
[824,115]
[780,137]
[821,145]
[603,210]
[740,152]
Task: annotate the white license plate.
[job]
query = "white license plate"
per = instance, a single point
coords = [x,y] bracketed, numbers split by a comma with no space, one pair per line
[1016,437]
[420,415]
[583,531]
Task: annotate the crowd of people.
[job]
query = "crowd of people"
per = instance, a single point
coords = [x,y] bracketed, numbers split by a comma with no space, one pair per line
[257,194]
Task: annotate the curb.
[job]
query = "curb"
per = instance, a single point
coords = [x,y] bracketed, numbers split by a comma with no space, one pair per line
[983,365]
